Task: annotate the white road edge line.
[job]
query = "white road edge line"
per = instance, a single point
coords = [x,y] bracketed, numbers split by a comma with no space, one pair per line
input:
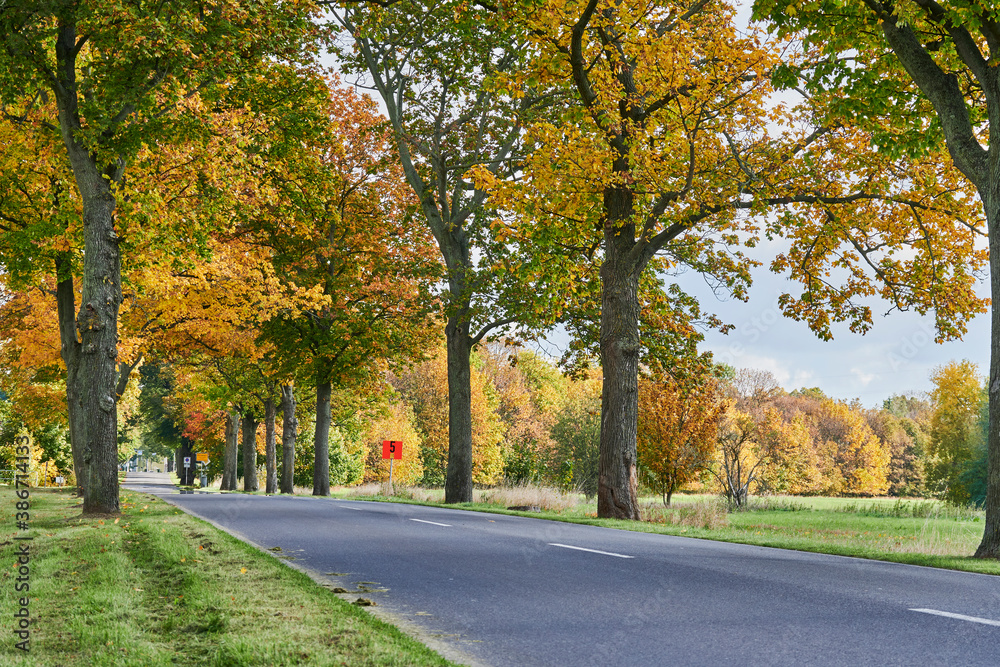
[433,523]
[356,509]
[961,617]
[593,551]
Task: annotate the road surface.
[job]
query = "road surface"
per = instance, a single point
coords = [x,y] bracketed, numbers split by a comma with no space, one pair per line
[514,591]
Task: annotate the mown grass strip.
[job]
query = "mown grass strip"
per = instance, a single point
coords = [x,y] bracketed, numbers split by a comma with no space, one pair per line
[155,586]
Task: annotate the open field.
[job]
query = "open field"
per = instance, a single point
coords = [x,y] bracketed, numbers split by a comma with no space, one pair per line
[155,586]
[915,531]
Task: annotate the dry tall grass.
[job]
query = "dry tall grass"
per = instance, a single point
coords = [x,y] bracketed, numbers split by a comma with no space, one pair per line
[959,539]
[529,495]
[374,489]
[709,514]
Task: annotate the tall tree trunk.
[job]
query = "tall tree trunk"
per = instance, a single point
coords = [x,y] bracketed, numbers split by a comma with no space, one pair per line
[271,465]
[229,456]
[249,452]
[989,547]
[97,323]
[70,351]
[616,474]
[289,431]
[321,464]
[97,320]
[458,483]
[617,492]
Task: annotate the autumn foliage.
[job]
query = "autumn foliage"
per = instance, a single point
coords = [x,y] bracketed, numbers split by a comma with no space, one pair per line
[678,428]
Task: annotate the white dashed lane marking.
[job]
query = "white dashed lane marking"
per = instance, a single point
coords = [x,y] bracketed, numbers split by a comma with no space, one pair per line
[433,523]
[960,617]
[593,551]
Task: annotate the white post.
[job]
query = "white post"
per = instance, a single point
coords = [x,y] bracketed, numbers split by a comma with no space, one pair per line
[391,461]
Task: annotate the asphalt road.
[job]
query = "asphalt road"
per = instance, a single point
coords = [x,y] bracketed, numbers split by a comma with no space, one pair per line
[513,591]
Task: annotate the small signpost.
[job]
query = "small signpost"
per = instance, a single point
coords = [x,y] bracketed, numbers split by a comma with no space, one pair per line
[187,461]
[392,450]
[202,458]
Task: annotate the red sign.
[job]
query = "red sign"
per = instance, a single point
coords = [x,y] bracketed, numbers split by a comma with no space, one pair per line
[392,449]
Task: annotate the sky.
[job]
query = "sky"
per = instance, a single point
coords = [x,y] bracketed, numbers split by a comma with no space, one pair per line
[896,356]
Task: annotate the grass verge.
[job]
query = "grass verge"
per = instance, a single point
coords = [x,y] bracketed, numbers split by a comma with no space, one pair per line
[155,586]
[912,531]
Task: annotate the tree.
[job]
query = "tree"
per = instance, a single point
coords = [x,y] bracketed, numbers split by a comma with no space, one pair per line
[794,465]
[906,449]
[577,432]
[743,457]
[121,76]
[941,86]
[39,229]
[624,158]
[664,143]
[527,441]
[861,459]
[424,388]
[344,236]
[431,64]
[677,433]
[396,423]
[289,431]
[954,435]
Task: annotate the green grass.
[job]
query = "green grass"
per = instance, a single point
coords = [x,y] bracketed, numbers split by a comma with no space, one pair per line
[915,531]
[155,586]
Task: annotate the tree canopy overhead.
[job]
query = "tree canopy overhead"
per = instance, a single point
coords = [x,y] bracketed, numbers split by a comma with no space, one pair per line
[121,76]
[921,75]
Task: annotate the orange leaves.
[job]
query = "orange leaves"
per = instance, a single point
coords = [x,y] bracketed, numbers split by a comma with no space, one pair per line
[677,430]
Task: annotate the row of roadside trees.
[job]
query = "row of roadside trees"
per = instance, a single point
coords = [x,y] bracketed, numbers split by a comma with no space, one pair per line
[561,164]
[737,433]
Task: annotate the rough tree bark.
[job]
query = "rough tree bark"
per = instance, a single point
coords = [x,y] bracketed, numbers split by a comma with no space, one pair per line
[70,350]
[617,480]
[230,454]
[989,547]
[980,165]
[249,427]
[458,481]
[271,465]
[436,174]
[321,467]
[289,431]
[97,319]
